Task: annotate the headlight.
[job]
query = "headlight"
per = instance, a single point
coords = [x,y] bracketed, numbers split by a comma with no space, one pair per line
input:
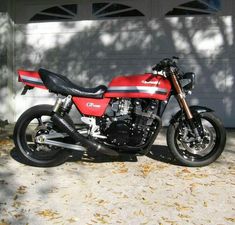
[188,81]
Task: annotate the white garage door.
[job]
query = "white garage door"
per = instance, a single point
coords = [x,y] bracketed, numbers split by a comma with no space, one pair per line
[93,41]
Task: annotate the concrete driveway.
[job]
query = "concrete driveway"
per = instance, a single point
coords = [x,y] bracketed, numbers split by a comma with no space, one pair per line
[148,190]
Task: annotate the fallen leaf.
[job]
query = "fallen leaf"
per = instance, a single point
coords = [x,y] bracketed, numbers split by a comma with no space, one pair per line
[168,184]
[3,222]
[200,175]
[5,142]
[168,221]
[48,213]
[230,219]
[101,218]
[186,170]
[187,175]
[146,168]
[16,204]
[138,213]
[21,190]
[18,216]
[121,168]
[205,204]
[180,207]
[72,220]
[183,216]
[3,182]
[102,202]
[15,197]
[193,187]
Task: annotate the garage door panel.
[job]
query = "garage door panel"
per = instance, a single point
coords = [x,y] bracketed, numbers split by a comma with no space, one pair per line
[86,25]
[95,72]
[226,110]
[211,75]
[187,36]
[109,71]
[123,44]
[85,45]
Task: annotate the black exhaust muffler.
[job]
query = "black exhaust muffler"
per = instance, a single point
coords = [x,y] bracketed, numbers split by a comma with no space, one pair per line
[62,124]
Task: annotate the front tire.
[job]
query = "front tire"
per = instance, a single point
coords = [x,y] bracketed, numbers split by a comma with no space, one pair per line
[32,122]
[197,154]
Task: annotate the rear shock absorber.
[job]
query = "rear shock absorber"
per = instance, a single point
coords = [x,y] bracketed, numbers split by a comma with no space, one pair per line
[63,106]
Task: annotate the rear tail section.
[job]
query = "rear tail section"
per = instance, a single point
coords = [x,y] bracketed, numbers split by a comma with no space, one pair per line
[31,79]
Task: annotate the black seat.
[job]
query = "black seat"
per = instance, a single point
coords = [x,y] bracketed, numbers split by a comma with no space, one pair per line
[62,85]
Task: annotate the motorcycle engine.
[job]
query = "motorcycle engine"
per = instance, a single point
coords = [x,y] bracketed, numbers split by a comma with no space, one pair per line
[128,122]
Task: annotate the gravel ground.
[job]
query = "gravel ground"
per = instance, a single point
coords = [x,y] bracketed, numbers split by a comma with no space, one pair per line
[147,190]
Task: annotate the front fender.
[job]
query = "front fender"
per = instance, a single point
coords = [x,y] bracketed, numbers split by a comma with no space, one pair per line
[195,109]
[200,109]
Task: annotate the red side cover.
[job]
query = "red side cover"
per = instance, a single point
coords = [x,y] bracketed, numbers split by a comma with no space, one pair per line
[90,106]
[31,78]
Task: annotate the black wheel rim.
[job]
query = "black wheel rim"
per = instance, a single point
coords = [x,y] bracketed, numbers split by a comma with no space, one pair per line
[193,157]
[36,125]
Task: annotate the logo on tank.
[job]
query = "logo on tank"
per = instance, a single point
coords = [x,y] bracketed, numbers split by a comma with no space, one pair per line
[150,82]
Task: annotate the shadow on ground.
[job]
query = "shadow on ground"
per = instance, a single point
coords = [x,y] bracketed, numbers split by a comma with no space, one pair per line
[161,153]
[158,152]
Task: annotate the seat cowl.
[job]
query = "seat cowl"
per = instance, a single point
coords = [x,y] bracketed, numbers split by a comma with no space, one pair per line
[60,84]
[30,78]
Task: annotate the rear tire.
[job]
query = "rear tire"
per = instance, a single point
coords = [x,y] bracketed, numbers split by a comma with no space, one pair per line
[186,156]
[32,154]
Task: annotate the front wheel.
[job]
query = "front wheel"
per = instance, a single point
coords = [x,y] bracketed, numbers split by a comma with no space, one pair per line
[191,152]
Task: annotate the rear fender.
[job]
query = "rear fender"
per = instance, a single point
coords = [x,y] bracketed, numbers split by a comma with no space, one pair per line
[30,79]
[196,110]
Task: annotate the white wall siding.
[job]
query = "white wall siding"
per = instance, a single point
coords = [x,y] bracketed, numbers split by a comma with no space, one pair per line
[7,107]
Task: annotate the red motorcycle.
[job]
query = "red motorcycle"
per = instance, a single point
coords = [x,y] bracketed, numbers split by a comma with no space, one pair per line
[123,118]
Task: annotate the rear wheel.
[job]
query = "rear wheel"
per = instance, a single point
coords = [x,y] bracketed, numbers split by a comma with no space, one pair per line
[190,152]
[33,122]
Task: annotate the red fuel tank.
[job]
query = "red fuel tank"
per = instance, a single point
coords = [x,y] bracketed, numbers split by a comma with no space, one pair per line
[139,86]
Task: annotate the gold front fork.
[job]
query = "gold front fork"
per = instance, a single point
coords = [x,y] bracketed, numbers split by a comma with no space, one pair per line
[184,105]
[181,96]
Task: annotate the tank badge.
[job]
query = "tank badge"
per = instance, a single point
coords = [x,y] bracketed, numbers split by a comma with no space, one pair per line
[150,82]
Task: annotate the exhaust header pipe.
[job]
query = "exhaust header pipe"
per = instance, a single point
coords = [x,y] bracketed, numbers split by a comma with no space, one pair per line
[72,132]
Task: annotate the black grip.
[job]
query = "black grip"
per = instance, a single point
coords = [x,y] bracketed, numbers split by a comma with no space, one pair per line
[165,63]
[157,67]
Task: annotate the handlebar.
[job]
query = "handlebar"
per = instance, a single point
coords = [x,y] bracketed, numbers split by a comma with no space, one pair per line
[166,64]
